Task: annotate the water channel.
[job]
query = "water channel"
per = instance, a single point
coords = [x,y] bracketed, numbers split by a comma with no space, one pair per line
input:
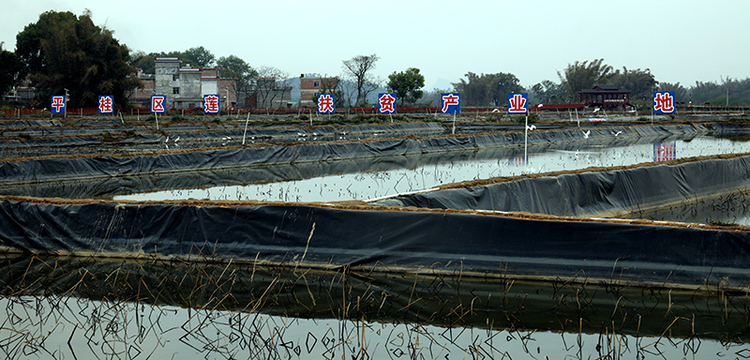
[382,179]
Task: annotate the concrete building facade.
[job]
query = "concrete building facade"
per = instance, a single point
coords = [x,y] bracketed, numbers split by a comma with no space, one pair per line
[184,87]
[166,78]
[312,84]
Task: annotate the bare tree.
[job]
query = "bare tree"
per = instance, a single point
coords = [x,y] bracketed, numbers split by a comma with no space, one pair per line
[270,84]
[358,68]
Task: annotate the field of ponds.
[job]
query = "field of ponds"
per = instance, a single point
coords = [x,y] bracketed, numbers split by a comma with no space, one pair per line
[424,172]
[63,304]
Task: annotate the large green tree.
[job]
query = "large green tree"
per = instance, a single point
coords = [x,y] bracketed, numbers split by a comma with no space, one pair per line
[640,83]
[579,76]
[407,85]
[10,68]
[198,57]
[487,89]
[64,52]
[240,72]
[680,92]
[547,92]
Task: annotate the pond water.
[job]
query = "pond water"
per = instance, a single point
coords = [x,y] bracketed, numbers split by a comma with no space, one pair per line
[71,328]
[379,181]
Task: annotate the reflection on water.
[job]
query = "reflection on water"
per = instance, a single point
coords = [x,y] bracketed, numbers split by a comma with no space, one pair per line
[371,184]
[148,309]
[732,208]
[63,327]
[665,151]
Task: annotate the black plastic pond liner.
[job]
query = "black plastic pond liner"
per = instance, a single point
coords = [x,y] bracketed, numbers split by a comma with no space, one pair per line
[425,299]
[99,187]
[595,194]
[197,133]
[440,241]
[40,170]
[6,124]
[117,185]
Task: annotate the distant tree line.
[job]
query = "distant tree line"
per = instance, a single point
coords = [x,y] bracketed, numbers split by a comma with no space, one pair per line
[491,89]
[641,84]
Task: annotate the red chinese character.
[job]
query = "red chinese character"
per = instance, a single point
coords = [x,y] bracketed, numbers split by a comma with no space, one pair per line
[448,100]
[105,104]
[58,102]
[664,102]
[517,104]
[325,104]
[157,104]
[386,103]
[211,104]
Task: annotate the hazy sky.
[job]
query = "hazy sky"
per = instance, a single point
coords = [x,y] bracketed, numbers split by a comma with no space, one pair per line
[678,40]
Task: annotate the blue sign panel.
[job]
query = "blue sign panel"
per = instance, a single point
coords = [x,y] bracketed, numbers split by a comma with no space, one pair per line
[106,104]
[386,103]
[450,103]
[211,104]
[58,104]
[664,102]
[518,103]
[158,104]
[326,103]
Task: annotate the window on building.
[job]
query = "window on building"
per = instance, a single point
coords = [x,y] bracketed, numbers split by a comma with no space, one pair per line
[175,90]
[175,77]
[316,83]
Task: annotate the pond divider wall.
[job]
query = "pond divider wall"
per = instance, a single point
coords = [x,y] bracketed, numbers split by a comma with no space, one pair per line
[331,237]
[21,172]
[595,193]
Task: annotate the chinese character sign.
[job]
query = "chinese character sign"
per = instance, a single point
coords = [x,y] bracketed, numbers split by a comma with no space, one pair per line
[211,104]
[664,102]
[58,104]
[450,103]
[158,103]
[518,103]
[326,103]
[106,104]
[386,103]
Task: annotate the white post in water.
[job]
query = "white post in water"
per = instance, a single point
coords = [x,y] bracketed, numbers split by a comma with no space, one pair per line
[245,133]
[525,143]
[454,124]
[518,103]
